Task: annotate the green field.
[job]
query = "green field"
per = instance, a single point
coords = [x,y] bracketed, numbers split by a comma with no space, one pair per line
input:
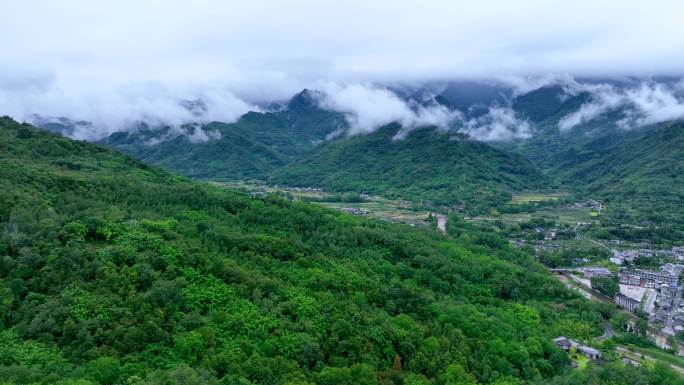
[561,214]
[536,197]
[376,206]
[384,209]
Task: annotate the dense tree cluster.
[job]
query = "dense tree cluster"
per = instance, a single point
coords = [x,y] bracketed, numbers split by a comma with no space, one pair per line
[112,272]
[606,285]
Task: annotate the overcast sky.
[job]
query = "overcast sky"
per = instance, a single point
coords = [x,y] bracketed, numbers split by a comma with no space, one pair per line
[270,49]
[250,45]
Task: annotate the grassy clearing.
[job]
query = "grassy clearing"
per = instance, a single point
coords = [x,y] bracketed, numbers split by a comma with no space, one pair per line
[377,207]
[562,215]
[536,197]
[383,209]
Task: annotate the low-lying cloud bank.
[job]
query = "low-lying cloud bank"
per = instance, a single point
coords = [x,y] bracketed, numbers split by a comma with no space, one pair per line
[498,124]
[367,107]
[106,111]
[640,105]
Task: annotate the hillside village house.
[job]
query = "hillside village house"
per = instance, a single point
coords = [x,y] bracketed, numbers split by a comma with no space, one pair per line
[589,352]
[566,344]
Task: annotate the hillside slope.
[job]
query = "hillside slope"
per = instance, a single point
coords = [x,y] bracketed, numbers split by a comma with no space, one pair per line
[640,171]
[115,273]
[426,165]
[637,171]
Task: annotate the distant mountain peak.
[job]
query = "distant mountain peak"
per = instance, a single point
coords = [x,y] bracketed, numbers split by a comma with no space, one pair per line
[304,100]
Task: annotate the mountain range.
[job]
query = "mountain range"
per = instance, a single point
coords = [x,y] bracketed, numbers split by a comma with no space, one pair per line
[601,138]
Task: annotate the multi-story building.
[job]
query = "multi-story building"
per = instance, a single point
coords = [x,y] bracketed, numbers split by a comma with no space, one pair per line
[659,277]
[626,302]
[632,280]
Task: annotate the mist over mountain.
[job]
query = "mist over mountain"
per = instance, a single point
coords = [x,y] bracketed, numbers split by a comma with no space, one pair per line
[485,110]
[360,137]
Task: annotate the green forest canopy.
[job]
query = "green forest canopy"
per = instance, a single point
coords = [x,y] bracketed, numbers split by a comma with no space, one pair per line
[112,272]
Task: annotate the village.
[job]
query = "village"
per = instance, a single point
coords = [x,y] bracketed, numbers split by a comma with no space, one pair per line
[639,276]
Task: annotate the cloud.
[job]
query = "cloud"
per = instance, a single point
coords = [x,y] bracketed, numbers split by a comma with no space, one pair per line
[101,62]
[642,104]
[270,49]
[605,98]
[368,107]
[653,103]
[194,132]
[498,124]
[524,84]
[110,110]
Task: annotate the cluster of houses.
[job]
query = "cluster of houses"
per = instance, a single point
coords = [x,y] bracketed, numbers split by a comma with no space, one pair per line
[591,203]
[567,344]
[620,257]
[538,244]
[355,210]
[676,252]
[302,189]
[668,275]
[667,303]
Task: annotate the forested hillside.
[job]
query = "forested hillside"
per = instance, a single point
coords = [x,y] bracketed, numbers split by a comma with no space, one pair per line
[112,272]
[425,165]
[640,174]
[637,172]
[249,148]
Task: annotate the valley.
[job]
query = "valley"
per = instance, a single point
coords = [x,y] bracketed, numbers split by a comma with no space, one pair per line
[116,270]
[285,224]
[342,193]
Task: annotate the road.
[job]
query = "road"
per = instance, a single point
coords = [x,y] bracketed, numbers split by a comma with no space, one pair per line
[607,331]
[669,321]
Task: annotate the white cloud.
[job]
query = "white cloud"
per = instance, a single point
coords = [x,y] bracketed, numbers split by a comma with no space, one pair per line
[654,103]
[369,107]
[643,104]
[498,124]
[524,84]
[120,61]
[269,49]
[605,98]
[118,109]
